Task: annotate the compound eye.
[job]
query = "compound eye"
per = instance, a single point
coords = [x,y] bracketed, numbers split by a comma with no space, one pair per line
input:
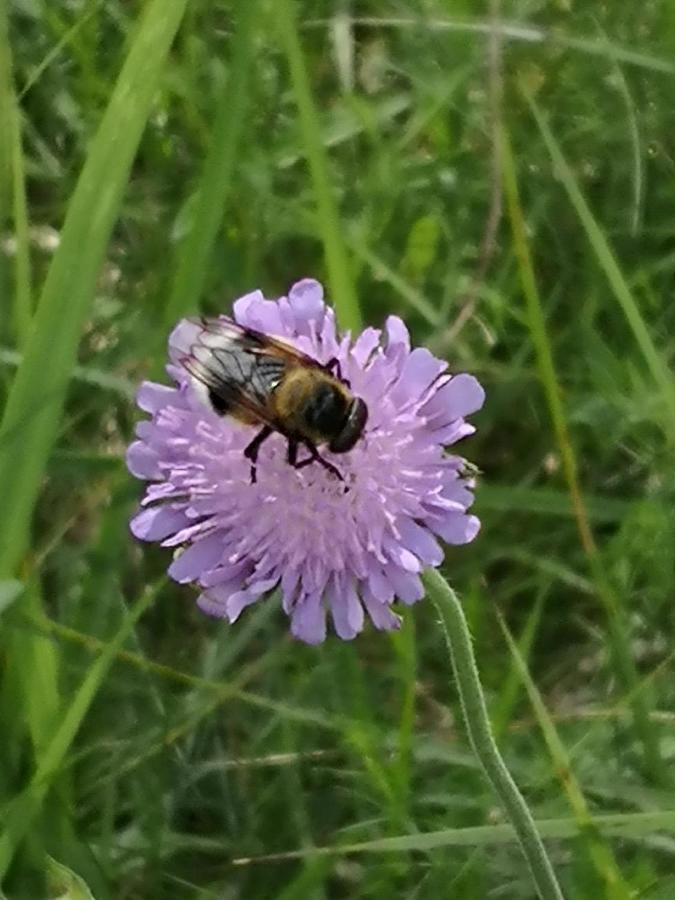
[353,428]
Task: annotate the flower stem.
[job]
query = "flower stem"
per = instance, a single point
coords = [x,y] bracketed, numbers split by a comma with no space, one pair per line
[483,743]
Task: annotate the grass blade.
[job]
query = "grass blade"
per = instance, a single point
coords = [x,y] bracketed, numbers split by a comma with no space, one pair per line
[19,813]
[625,825]
[600,854]
[9,115]
[620,645]
[217,176]
[607,262]
[36,398]
[342,288]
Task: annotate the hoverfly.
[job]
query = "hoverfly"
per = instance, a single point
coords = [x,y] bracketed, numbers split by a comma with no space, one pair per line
[260,380]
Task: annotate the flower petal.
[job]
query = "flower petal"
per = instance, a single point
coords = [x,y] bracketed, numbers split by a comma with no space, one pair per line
[211,603]
[380,614]
[200,556]
[420,542]
[380,588]
[398,336]
[182,339]
[306,301]
[345,608]
[142,461]
[152,397]
[253,311]
[418,373]
[365,344]
[407,585]
[308,619]
[156,523]
[457,528]
[457,398]
[238,601]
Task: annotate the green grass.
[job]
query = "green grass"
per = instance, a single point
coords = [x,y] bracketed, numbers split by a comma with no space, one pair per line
[186,153]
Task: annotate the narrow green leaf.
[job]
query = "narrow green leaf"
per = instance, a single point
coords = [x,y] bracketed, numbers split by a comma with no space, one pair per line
[527,34]
[16,187]
[10,590]
[36,398]
[549,502]
[625,825]
[621,649]
[606,258]
[86,374]
[17,815]
[337,262]
[413,298]
[216,181]
[64,884]
[600,854]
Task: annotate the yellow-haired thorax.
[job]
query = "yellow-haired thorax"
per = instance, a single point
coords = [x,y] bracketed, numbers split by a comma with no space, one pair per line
[311,404]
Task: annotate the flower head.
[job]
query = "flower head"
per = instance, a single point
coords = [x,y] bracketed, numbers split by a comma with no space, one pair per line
[328,549]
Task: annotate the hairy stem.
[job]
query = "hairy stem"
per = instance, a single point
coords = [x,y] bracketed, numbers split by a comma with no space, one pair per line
[483,743]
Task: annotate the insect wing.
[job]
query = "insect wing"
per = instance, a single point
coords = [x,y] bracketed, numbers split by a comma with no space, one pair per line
[231,362]
[257,342]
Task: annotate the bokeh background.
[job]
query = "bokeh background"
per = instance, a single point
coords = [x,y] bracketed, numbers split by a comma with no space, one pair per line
[502,178]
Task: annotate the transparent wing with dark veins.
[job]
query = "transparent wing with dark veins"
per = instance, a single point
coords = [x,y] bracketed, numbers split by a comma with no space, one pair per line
[234,364]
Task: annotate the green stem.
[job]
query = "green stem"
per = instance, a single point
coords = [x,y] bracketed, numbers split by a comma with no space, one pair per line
[483,743]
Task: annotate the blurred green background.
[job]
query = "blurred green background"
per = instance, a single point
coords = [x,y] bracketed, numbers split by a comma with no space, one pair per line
[500,176]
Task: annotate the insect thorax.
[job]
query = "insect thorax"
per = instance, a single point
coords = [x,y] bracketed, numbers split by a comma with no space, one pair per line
[312,404]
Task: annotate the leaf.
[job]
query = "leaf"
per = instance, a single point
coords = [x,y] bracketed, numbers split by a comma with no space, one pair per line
[10,590]
[64,884]
[37,394]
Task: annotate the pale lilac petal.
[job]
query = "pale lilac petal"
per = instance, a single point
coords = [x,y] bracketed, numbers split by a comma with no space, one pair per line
[237,602]
[308,619]
[365,345]
[328,337]
[211,603]
[459,397]
[306,300]
[380,613]
[407,586]
[290,584]
[401,556]
[398,336]
[346,609]
[254,311]
[418,373]
[143,461]
[152,397]
[202,555]
[157,523]
[380,588]
[230,573]
[457,528]
[452,433]
[420,542]
[182,338]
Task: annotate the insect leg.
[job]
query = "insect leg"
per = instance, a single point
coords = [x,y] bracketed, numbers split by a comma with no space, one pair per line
[314,456]
[333,364]
[293,453]
[251,452]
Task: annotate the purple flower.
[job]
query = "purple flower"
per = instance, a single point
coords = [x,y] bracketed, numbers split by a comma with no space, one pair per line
[326,548]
